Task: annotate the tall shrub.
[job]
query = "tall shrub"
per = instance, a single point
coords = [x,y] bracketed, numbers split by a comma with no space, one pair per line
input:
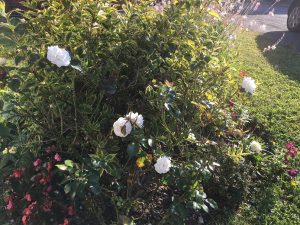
[78,66]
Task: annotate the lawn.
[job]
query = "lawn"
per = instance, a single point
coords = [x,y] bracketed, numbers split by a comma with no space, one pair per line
[276,110]
[276,101]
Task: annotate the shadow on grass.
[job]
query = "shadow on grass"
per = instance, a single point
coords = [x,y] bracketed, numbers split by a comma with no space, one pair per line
[286,57]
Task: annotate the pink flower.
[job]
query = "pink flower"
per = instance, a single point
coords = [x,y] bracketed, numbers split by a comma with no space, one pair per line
[292,152]
[66,222]
[10,204]
[70,211]
[290,146]
[37,162]
[49,189]
[28,197]
[57,157]
[293,172]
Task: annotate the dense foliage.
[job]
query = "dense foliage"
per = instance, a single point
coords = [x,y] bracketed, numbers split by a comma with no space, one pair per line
[77,67]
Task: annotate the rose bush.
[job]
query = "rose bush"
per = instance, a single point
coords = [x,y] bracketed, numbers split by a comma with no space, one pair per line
[80,155]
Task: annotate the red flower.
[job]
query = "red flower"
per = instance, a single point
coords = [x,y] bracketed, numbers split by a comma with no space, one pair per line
[9,203]
[293,172]
[231,103]
[46,179]
[49,166]
[17,173]
[24,220]
[47,206]
[66,222]
[28,197]
[243,73]
[234,115]
[27,212]
[70,211]
[57,157]
[37,162]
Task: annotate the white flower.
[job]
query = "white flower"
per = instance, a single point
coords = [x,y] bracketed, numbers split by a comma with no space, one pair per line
[132,116]
[122,127]
[163,165]
[58,56]
[255,146]
[11,150]
[2,61]
[140,121]
[249,84]
[135,118]
[192,137]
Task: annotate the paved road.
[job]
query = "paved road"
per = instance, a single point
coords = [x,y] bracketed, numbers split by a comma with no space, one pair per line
[275,26]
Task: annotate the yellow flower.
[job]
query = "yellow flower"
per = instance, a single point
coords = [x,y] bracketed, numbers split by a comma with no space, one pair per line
[294,183]
[140,162]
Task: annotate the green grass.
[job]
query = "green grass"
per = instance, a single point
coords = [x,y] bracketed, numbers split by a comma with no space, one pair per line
[276,108]
[276,103]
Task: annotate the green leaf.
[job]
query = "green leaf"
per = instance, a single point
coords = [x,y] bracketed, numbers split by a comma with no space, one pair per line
[212,203]
[5,30]
[69,163]
[14,84]
[7,42]
[132,149]
[214,14]
[205,208]
[19,59]
[195,206]
[4,131]
[67,188]
[61,167]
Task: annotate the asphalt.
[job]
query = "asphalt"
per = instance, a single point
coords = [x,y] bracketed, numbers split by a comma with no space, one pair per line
[274,27]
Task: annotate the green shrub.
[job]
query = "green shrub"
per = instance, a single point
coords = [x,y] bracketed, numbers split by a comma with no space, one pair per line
[67,164]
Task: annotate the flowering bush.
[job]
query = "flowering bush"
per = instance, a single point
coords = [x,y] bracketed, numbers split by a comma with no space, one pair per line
[74,151]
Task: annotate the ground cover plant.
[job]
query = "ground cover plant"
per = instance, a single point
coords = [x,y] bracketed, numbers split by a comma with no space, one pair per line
[275,111]
[125,114]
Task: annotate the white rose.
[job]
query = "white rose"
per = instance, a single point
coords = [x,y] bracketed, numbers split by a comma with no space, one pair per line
[163,165]
[58,56]
[135,118]
[140,121]
[132,116]
[255,146]
[122,127]
[249,84]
